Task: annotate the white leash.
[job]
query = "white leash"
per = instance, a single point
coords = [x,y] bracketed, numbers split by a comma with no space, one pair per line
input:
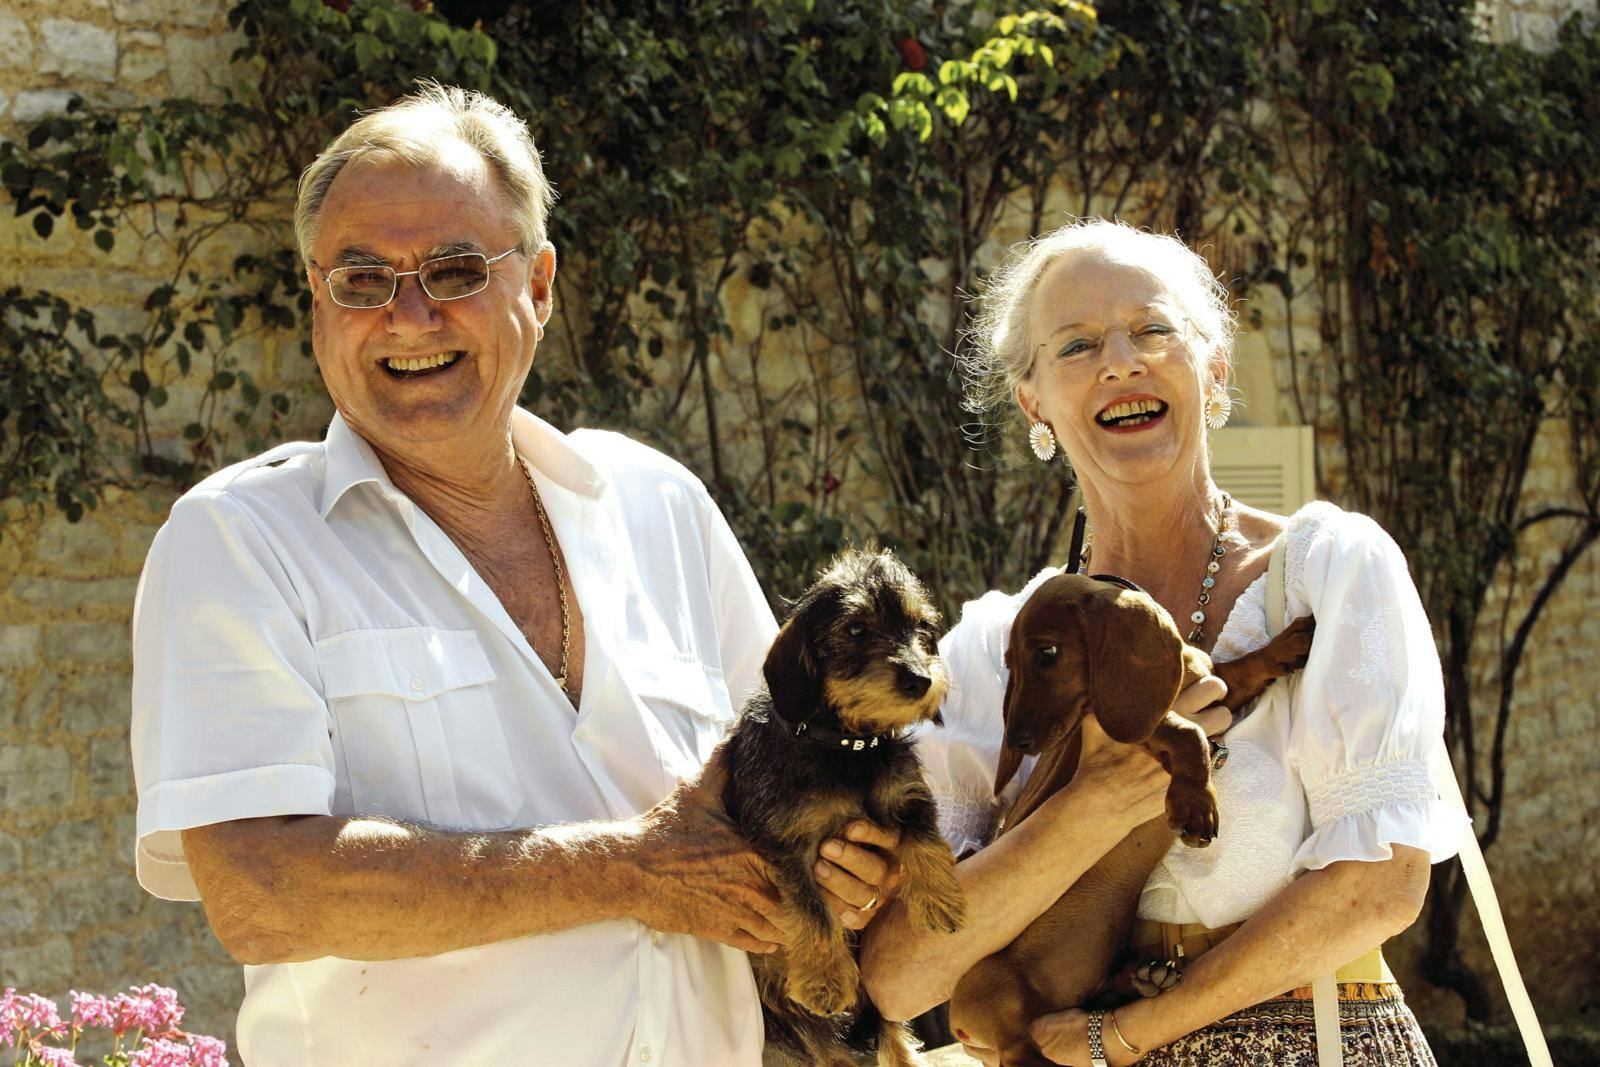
[1324,991]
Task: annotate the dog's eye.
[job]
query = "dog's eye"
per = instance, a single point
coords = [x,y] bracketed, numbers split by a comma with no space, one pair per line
[856,629]
[1047,655]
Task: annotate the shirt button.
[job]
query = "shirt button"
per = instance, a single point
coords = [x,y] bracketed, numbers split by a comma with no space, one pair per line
[655,937]
[644,1054]
[580,734]
[416,683]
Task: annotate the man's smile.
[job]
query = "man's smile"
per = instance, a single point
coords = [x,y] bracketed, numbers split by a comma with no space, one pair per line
[419,366]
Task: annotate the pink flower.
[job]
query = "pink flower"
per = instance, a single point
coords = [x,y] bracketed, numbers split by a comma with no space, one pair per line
[8,1017]
[39,1013]
[159,1052]
[207,1051]
[152,1008]
[90,1009]
[49,1056]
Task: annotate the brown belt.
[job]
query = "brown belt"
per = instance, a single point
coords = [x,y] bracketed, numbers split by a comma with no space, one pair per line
[1184,941]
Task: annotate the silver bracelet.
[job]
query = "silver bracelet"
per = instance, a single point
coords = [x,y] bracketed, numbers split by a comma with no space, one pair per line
[1097,1048]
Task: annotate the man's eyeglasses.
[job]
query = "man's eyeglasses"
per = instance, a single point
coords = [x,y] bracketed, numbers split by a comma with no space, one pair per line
[1149,337]
[445,278]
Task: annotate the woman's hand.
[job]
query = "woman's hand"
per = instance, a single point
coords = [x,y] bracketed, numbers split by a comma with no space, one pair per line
[1063,1037]
[1129,780]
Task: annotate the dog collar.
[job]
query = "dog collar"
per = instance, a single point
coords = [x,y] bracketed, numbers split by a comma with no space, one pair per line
[838,740]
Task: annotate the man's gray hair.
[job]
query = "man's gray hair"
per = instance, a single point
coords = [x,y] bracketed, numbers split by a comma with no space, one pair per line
[997,355]
[417,130]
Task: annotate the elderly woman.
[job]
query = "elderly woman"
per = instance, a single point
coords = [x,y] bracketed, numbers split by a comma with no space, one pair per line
[1116,345]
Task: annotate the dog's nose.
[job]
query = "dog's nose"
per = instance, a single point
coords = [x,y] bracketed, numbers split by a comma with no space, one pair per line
[911,683]
[1020,739]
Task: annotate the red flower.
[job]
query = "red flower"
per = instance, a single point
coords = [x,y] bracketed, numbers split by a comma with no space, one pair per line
[829,483]
[341,6]
[911,53]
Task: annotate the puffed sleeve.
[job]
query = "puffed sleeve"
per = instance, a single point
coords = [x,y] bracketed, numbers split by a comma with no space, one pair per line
[960,757]
[1368,719]
[228,717]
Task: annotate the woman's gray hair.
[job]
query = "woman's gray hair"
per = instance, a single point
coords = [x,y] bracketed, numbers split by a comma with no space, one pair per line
[417,130]
[997,354]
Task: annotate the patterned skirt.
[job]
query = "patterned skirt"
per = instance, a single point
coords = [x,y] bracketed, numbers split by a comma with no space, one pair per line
[1375,1027]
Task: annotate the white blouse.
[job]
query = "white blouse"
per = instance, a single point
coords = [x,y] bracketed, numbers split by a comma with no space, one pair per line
[1333,766]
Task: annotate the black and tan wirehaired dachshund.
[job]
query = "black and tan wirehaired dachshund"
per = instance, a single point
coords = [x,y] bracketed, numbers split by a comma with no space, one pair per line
[822,743]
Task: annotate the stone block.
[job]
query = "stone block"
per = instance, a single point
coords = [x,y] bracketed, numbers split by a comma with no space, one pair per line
[16,43]
[31,105]
[44,963]
[5,101]
[19,908]
[76,49]
[178,940]
[136,538]
[8,702]
[76,549]
[41,699]
[144,55]
[88,642]
[19,645]
[78,904]
[68,846]
[34,777]
[110,768]
[98,702]
[168,12]
[109,953]
[200,66]
[74,593]
[10,855]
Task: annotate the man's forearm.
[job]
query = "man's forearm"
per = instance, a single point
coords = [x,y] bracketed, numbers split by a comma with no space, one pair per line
[360,887]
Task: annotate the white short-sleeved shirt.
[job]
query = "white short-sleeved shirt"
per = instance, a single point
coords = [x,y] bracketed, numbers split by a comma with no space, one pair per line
[1334,766]
[308,641]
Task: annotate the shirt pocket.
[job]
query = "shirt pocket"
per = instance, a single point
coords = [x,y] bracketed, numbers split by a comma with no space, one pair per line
[418,733]
[687,703]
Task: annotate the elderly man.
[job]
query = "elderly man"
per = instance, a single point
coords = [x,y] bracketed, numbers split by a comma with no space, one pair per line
[407,702]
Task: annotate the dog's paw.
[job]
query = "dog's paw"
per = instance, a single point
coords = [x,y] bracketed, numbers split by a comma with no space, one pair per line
[1192,811]
[1153,977]
[942,911]
[825,994]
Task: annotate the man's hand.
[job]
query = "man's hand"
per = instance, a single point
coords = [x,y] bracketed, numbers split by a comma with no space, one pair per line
[696,875]
[859,873]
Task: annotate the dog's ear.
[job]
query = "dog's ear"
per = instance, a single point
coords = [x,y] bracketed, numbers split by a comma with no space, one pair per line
[1134,664]
[791,670]
[1010,758]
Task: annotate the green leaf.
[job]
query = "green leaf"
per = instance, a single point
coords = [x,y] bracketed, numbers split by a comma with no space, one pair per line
[104,240]
[43,223]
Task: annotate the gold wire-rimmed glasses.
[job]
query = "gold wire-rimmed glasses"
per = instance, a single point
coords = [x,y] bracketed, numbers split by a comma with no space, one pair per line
[1150,336]
[374,285]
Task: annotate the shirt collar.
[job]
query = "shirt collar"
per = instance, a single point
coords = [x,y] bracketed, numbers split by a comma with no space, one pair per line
[352,461]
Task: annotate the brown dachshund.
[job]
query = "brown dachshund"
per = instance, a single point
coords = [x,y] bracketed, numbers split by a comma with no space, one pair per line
[1082,646]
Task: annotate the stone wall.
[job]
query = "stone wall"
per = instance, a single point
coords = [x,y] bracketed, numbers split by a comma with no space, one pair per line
[71,915]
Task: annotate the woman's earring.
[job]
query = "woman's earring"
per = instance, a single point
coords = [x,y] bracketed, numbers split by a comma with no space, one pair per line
[1219,405]
[1042,440]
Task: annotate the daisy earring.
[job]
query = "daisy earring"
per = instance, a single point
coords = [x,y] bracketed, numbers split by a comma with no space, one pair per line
[1042,440]
[1219,405]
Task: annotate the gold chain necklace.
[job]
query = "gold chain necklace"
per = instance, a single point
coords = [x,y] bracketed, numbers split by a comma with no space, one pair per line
[561,578]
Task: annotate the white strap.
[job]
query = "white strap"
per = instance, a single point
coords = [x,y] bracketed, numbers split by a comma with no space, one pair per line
[1324,991]
[1494,923]
[1325,1013]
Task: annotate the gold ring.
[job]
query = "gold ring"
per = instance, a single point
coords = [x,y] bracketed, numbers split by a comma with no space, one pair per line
[869,905]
